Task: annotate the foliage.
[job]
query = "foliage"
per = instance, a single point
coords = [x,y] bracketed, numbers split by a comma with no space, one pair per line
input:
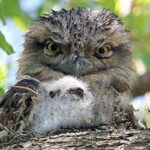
[137,20]
[5,45]
[2,78]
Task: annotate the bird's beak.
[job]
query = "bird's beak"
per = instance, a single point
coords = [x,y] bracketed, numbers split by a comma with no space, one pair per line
[74,65]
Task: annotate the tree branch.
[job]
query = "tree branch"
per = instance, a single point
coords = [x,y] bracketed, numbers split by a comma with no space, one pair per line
[89,140]
[141,85]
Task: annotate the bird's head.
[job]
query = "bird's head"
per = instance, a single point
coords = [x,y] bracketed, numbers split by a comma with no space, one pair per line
[77,42]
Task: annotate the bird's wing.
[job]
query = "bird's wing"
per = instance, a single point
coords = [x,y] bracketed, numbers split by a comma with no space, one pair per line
[17,104]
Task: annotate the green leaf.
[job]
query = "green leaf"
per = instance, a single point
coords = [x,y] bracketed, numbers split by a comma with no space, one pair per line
[145,55]
[107,4]
[11,9]
[5,45]
[3,71]
[1,13]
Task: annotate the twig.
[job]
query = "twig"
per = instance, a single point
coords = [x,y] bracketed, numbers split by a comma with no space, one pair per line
[25,88]
[5,128]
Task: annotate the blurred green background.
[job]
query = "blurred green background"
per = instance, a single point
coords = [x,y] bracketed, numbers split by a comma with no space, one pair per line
[17,15]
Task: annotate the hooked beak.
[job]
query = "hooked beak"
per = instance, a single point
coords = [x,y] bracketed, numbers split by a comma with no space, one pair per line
[75,65]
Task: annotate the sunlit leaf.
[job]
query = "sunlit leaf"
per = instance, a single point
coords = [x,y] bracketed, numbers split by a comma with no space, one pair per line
[18,21]
[5,45]
[2,78]
[143,1]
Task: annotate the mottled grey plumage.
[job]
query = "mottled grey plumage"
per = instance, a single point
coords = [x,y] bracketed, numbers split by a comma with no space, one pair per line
[91,45]
[79,32]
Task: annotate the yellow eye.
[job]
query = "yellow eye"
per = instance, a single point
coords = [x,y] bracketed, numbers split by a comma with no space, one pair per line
[104,51]
[52,48]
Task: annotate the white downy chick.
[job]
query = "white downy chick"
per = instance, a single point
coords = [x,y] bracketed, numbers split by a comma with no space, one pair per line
[66,102]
